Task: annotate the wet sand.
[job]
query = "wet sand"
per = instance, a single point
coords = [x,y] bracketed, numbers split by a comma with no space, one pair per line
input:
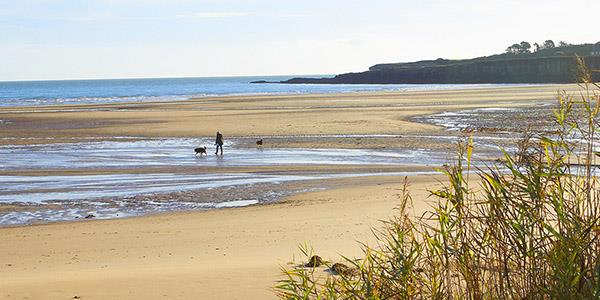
[221,254]
[128,178]
[259,116]
[227,253]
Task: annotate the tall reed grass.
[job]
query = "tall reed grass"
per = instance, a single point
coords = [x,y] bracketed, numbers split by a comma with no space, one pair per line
[526,227]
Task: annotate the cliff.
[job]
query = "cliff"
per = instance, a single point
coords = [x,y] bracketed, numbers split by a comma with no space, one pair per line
[556,65]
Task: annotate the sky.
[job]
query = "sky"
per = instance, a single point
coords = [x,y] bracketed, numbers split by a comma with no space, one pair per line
[85,39]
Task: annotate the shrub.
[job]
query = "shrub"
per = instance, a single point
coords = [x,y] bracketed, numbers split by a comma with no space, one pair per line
[529,230]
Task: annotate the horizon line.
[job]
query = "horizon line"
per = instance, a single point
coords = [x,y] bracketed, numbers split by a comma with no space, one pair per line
[160,77]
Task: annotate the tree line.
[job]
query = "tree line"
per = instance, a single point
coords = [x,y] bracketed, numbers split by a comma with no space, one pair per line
[525,47]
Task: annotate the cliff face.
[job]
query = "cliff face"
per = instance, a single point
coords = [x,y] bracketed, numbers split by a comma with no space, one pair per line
[550,69]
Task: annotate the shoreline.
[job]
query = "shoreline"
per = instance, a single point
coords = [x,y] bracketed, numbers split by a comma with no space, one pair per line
[194,199]
[208,98]
[215,97]
[234,253]
[435,137]
[296,116]
[326,185]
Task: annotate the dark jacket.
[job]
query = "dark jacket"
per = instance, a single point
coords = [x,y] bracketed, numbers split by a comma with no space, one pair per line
[219,140]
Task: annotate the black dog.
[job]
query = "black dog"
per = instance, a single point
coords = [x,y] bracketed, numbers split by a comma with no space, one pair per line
[259,143]
[200,150]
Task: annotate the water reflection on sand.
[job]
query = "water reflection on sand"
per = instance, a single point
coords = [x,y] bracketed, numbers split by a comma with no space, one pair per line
[66,181]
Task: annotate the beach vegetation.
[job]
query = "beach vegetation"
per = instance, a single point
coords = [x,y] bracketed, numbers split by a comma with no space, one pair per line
[524,227]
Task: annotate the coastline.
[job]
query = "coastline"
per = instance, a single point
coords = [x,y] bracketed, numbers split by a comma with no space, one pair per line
[151,90]
[175,255]
[130,160]
[260,116]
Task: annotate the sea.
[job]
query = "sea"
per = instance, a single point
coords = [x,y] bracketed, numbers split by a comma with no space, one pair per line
[100,91]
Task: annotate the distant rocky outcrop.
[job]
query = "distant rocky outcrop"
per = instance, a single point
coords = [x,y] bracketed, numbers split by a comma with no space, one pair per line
[555,65]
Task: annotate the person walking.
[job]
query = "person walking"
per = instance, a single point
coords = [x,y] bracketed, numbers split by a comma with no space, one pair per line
[219,143]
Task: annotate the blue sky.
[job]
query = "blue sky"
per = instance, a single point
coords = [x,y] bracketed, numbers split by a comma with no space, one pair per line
[43,39]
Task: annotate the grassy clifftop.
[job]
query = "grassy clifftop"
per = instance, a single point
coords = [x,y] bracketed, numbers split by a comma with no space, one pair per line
[553,65]
[565,51]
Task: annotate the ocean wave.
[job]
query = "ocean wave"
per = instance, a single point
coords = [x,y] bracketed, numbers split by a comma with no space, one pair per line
[47,93]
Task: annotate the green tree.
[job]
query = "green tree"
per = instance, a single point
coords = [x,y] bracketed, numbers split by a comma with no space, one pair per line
[549,44]
[525,47]
[514,49]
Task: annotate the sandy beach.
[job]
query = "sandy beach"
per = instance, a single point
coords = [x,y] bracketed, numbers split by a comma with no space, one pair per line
[232,253]
[221,254]
[312,149]
[259,116]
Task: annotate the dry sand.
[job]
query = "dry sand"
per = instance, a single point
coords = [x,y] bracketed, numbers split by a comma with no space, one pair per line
[221,254]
